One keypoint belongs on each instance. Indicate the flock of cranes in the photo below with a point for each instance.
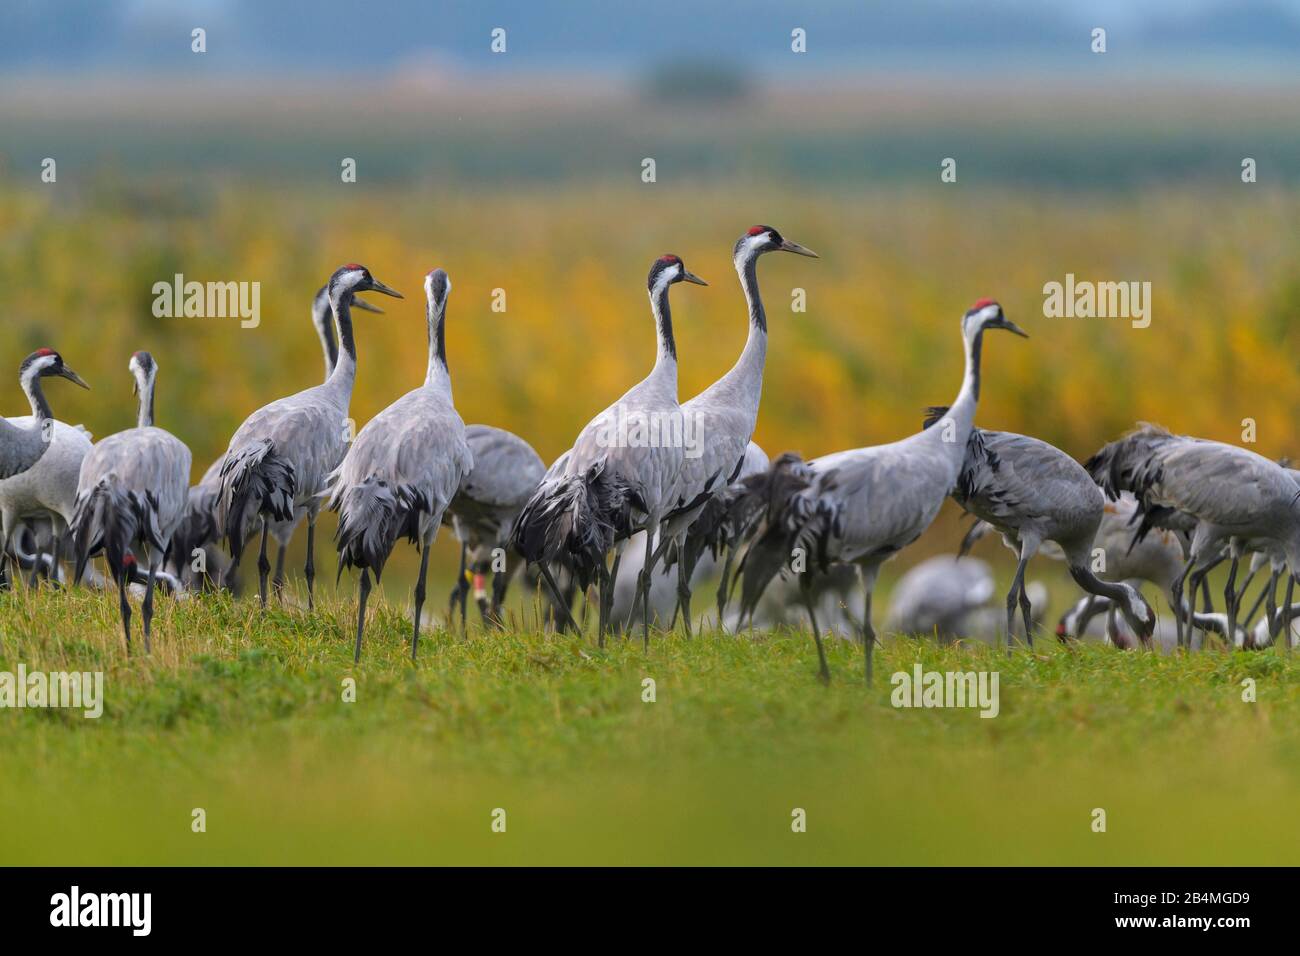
(1162, 508)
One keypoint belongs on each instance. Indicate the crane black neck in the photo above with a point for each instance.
(323, 320)
(437, 318)
(340, 302)
(976, 349)
(664, 320)
(748, 269)
(36, 396)
(145, 418)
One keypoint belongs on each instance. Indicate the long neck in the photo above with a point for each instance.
(962, 411)
(324, 322)
(36, 395)
(145, 417)
(345, 369)
(1117, 592)
(437, 374)
(666, 357)
(749, 367)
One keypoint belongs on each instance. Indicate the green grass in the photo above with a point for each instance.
(240, 712)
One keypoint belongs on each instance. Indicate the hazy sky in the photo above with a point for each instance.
(355, 35)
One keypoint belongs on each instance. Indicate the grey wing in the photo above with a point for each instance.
(1222, 483)
(506, 468)
(147, 461)
(1009, 479)
(305, 429)
(888, 496)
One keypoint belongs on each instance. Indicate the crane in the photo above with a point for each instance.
(1033, 492)
(505, 474)
(40, 457)
(130, 494)
(403, 470)
(863, 506)
(726, 412)
(618, 476)
(1239, 499)
(198, 528)
(279, 458)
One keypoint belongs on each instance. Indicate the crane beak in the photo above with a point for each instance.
(1010, 326)
(365, 306)
(798, 250)
(692, 277)
(377, 286)
(73, 377)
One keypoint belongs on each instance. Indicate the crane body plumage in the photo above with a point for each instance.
(130, 495)
(402, 471)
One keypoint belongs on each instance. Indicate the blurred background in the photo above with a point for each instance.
(522, 171)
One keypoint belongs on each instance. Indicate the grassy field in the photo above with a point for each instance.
(241, 713)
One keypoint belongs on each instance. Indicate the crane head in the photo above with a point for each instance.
(437, 286)
(44, 363)
(760, 239)
(668, 269)
(987, 314)
(143, 370)
(353, 278)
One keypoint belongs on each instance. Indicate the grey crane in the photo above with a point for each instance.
(403, 470)
(618, 476)
(1033, 492)
(198, 528)
(1239, 499)
(723, 416)
(280, 457)
(938, 595)
(863, 506)
(505, 474)
(130, 495)
(24, 440)
(40, 457)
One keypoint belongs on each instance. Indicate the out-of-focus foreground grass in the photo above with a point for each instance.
(241, 713)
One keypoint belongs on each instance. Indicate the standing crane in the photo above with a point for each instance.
(280, 457)
(198, 527)
(130, 494)
(1033, 492)
(1239, 499)
(725, 413)
(403, 470)
(863, 506)
(24, 440)
(40, 457)
(505, 474)
(618, 477)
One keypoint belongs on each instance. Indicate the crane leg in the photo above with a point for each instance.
(647, 573)
(560, 604)
(683, 592)
(146, 609)
(1017, 588)
(1027, 612)
(419, 593)
(805, 592)
(456, 589)
(500, 583)
(56, 559)
(1286, 612)
(124, 607)
(309, 572)
(361, 613)
(263, 565)
(1180, 610)
(1230, 600)
(277, 579)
